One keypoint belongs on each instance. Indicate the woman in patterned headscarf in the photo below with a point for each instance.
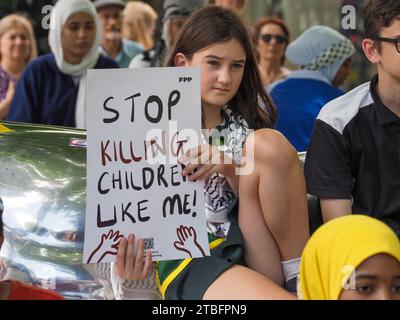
(324, 57)
(354, 257)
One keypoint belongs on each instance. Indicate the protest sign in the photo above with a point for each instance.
(139, 122)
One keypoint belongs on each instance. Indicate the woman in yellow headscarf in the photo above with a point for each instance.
(353, 257)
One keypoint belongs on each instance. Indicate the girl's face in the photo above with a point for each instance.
(78, 37)
(15, 44)
(377, 278)
(272, 42)
(222, 67)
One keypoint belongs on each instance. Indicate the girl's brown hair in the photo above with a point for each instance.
(17, 21)
(212, 25)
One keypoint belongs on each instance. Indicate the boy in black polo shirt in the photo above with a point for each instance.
(353, 162)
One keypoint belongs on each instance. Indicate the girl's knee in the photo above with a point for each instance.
(271, 148)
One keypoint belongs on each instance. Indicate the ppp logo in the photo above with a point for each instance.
(185, 79)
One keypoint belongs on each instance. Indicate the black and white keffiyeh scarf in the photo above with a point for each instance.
(228, 137)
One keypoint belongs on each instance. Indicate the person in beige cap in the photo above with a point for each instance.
(174, 15)
(113, 45)
(236, 5)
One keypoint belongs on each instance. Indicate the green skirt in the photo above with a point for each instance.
(188, 279)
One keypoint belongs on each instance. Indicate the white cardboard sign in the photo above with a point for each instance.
(139, 122)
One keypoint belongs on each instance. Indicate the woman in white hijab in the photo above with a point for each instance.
(52, 88)
(324, 57)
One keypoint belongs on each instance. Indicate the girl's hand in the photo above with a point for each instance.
(130, 265)
(205, 160)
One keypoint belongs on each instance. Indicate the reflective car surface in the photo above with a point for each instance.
(43, 188)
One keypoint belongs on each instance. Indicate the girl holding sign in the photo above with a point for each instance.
(255, 243)
(51, 90)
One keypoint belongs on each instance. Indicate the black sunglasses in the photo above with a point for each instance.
(278, 38)
(396, 41)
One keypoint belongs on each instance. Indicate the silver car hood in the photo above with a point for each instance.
(43, 188)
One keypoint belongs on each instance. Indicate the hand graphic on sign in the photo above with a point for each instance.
(108, 245)
(188, 241)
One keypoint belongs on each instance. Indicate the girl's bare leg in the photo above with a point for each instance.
(241, 283)
(273, 204)
(261, 251)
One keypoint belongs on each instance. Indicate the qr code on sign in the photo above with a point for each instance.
(148, 243)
